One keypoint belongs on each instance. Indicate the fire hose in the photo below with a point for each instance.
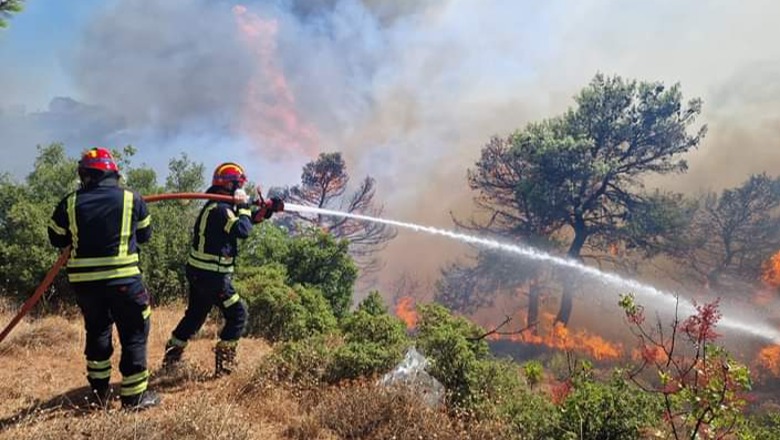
(63, 258)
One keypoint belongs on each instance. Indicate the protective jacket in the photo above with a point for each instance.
(215, 237)
(104, 224)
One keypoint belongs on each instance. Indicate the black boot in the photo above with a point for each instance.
(140, 402)
(100, 392)
(99, 396)
(225, 358)
(173, 355)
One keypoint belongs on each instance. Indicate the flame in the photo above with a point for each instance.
(771, 275)
(405, 309)
(769, 358)
(561, 337)
(270, 117)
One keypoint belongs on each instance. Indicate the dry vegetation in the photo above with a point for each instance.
(44, 396)
(44, 389)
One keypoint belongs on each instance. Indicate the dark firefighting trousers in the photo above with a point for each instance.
(127, 306)
(208, 289)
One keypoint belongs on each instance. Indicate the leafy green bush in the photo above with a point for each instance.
(498, 393)
(313, 258)
(450, 343)
(278, 312)
(614, 409)
(354, 360)
(761, 427)
(164, 257)
(25, 209)
(533, 372)
(374, 342)
(368, 343)
(372, 323)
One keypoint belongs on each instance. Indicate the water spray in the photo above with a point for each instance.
(760, 330)
(763, 331)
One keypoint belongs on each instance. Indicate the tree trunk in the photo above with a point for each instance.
(567, 300)
(534, 294)
(569, 279)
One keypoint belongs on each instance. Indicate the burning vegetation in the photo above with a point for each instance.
(405, 309)
(557, 336)
(771, 272)
(769, 359)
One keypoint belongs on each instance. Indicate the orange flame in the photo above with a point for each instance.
(405, 309)
(561, 337)
(270, 117)
(771, 275)
(769, 358)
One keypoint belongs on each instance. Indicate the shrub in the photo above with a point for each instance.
(301, 364)
(761, 427)
(313, 258)
(164, 257)
(452, 347)
(704, 388)
(374, 342)
(278, 312)
(608, 410)
(533, 372)
(480, 387)
(497, 392)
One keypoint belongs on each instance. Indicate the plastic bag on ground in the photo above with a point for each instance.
(410, 372)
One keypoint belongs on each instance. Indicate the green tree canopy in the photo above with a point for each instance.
(576, 179)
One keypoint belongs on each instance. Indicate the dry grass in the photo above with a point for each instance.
(43, 384)
(44, 396)
(50, 334)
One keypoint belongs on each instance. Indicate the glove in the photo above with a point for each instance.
(277, 204)
(240, 197)
(264, 212)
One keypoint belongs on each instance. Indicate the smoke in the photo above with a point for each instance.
(410, 90)
(168, 66)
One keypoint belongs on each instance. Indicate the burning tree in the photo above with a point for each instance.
(324, 184)
(574, 181)
(733, 235)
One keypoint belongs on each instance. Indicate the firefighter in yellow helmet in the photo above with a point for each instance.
(104, 224)
(210, 264)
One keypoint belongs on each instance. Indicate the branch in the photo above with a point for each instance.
(496, 331)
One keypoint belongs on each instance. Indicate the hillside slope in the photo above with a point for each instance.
(43, 389)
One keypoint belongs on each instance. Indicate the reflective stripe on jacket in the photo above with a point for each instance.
(104, 224)
(215, 237)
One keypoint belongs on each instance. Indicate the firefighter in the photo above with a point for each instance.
(212, 256)
(104, 224)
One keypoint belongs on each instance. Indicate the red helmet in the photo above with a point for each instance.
(98, 159)
(229, 175)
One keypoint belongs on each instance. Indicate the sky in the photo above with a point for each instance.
(408, 90)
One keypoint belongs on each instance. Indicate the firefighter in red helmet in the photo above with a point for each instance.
(210, 264)
(103, 224)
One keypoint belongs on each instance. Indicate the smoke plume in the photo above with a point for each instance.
(408, 90)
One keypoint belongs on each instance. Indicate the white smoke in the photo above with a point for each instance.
(411, 90)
